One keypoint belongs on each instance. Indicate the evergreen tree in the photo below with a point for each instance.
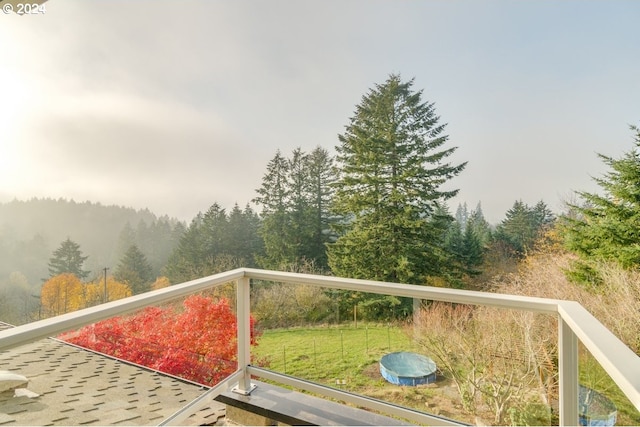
(463, 245)
(523, 225)
(462, 215)
(67, 258)
(161, 243)
(126, 239)
(480, 226)
(144, 239)
(322, 175)
(392, 167)
(472, 255)
(542, 216)
(135, 271)
(254, 246)
(244, 242)
(215, 242)
(187, 260)
(215, 232)
(607, 227)
(454, 240)
(299, 208)
(517, 230)
(273, 196)
(295, 196)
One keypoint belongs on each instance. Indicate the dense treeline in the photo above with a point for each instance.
(32, 231)
(296, 195)
(216, 241)
(377, 210)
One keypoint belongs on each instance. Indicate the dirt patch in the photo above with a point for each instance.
(372, 371)
(438, 398)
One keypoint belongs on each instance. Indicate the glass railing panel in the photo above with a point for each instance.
(137, 368)
(601, 402)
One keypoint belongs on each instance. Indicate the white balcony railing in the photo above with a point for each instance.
(575, 325)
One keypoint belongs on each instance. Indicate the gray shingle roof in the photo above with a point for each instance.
(79, 387)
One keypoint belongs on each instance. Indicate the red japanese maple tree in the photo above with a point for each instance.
(196, 341)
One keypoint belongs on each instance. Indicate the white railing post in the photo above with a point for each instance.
(243, 311)
(568, 374)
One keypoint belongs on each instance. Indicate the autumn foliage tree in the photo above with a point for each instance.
(98, 291)
(65, 293)
(196, 341)
(161, 282)
(61, 294)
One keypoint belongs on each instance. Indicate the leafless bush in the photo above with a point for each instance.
(493, 356)
(616, 303)
(278, 305)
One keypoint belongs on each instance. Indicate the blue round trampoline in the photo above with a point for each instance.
(405, 368)
(594, 409)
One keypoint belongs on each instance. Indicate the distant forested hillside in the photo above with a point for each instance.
(31, 230)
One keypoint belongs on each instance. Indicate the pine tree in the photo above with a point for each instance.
(244, 242)
(295, 196)
(453, 240)
(67, 258)
(299, 208)
(322, 175)
(517, 228)
(523, 225)
(472, 250)
(273, 196)
(463, 245)
(135, 271)
(215, 232)
(607, 227)
(392, 167)
(187, 261)
(480, 225)
(543, 217)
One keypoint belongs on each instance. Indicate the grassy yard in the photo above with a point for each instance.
(327, 354)
(347, 357)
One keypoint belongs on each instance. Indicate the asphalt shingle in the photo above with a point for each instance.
(79, 387)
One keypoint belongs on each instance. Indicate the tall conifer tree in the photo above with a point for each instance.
(392, 169)
(523, 226)
(322, 176)
(295, 196)
(68, 258)
(607, 227)
(135, 271)
(273, 195)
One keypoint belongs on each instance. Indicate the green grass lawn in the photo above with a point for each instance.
(327, 354)
(347, 357)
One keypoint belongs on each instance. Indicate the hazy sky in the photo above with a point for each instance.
(174, 105)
